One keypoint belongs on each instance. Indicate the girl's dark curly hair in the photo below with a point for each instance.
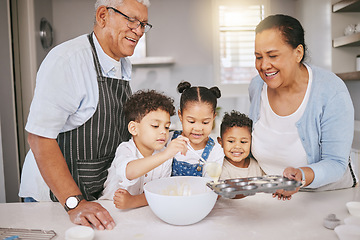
(144, 101)
(198, 94)
(235, 119)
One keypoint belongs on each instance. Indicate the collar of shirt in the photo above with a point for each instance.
(109, 66)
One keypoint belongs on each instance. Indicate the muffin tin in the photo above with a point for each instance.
(229, 188)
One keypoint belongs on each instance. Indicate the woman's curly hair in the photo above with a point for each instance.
(235, 119)
(145, 101)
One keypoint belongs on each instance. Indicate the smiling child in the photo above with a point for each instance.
(143, 158)
(235, 138)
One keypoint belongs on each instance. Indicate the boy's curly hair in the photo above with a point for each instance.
(235, 119)
(145, 101)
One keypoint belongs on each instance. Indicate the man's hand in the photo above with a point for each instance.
(92, 213)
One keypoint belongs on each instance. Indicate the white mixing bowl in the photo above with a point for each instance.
(180, 200)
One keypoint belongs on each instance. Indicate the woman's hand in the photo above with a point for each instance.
(91, 213)
(291, 173)
(284, 195)
(239, 196)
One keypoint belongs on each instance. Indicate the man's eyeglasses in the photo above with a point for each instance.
(133, 23)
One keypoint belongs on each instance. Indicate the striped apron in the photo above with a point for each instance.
(90, 148)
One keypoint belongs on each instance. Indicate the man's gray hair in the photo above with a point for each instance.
(115, 3)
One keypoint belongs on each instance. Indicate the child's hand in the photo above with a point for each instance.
(178, 144)
(124, 200)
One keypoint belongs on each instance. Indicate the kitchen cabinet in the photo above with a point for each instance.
(347, 6)
(349, 76)
(147, 61)
(353, 40)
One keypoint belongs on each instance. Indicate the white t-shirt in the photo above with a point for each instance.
(275, 137)
(230, 171)
(125, 153)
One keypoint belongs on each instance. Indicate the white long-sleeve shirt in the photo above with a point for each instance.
(125, 153)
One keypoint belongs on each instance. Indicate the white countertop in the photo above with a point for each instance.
(254, 217)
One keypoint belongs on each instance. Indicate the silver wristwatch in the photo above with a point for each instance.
(72, 202)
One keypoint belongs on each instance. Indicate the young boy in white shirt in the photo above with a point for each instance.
(143, 158)
(235, 138)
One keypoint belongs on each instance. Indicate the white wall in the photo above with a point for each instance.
(72, 18)
(315, 17)
(183, 31)
(282, 7)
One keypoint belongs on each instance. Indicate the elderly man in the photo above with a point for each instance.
(76, 118)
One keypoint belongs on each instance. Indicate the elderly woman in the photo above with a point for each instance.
(303, 115)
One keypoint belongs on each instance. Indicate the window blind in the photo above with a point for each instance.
(237, 37)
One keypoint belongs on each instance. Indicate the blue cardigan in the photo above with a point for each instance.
(326, 128)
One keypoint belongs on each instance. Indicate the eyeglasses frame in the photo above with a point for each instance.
(130, 19)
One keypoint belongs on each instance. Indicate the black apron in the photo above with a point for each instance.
(90, 148)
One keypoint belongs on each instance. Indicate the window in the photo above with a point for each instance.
(236, 31)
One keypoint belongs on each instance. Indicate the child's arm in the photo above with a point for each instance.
(124, 200)
(139, 167)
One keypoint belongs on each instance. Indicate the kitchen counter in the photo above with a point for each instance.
(254, 217)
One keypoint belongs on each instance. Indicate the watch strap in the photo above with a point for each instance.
(79, 198)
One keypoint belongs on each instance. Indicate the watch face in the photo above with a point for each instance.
(72, 202)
